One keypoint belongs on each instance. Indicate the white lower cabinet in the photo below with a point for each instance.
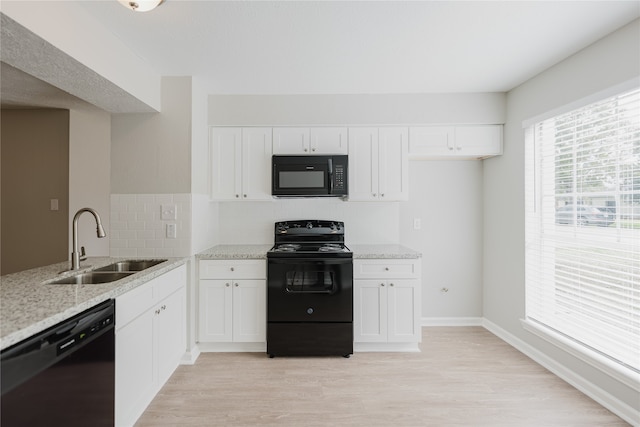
(386, 307)
(232, 304)
(150, 341)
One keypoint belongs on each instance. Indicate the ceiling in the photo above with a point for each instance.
(356, 47)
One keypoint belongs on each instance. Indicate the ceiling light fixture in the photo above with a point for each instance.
(141, 5)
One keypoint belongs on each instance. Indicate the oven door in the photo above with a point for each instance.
(310, 290)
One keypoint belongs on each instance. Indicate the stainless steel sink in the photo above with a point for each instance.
(131, 265)
(91, 277)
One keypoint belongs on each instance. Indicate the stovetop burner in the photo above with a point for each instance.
(309, 237)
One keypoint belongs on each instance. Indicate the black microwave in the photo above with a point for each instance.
(309, 176)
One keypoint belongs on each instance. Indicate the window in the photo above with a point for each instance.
(583, 227)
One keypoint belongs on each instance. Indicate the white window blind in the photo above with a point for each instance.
(582, 189)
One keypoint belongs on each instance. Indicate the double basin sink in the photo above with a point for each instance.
(108, 273)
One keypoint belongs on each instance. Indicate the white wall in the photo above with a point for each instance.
(447, 198)
(610, 61)
(89, 176)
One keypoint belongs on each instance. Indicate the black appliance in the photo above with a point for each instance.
(63, 376)
(309, 290)
(310, 176)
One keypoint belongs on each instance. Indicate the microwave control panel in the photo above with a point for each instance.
(339, 177)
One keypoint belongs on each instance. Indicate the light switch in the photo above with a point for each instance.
(168, 212)
(54, 204)
(417, 223)
(171, 231)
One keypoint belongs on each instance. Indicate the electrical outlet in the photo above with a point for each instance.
(417, 223)
(168, 212)
(171, 231)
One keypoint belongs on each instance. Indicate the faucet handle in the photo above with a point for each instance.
(83, 254)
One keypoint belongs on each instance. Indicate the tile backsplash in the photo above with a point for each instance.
(138, 230)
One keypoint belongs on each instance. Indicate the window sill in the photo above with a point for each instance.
(615, 370)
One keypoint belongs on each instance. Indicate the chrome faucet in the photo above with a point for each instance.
(75, 255)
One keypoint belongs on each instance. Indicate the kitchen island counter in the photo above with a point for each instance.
(29, 305)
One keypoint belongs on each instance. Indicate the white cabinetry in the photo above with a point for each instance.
(232, 304)
(303, 140)
(240, 163)
(150, 341)
(386, 308)
(378, 164)
(455, 141)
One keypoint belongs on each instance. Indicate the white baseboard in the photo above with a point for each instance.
(190, 357)
(451, 321)
(233, 347)
(621, 409)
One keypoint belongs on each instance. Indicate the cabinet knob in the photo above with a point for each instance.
(232, 269)
(237, 196)
(382, 284)
(313, 149)
(390, 284)
(226, 284)
(305, 150)
(386, 269)
(157, 311)
(374, 194)
(164, 307)
(459, 148)
(244, 195)
(450, 148)
(236, 285)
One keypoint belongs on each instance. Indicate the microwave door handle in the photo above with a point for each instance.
(330, 161)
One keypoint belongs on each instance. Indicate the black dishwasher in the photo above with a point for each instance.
(63, 376)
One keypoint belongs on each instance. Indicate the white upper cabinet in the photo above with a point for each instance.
(378, 164)
(240, 163)
(476, 141)
(303, 140)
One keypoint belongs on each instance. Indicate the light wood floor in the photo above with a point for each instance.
(464, 376)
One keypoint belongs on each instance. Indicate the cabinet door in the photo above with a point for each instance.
(171, 333)
(369, 311)
(256, 163)
(293, 140)
(432, 141)
(249, 310)
(479, 140)
(403, 319)
(215, 311)
(135, 368)
(393, 177)
(226, 163)
(363, 164)
(328, 140)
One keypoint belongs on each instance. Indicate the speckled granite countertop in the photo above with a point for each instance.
(260, 252)
(383, 252)
(235, 252)
(29, 305)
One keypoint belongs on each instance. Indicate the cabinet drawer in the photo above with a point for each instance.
(133, 303)
(169, 282)
(233, 269)
(385, 268)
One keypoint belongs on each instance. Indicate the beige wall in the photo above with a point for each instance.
(35, 165)
(151, 153)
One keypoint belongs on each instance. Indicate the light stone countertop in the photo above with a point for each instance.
(260, 252)
(235, 252)
(383, 252)
(29, 305)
